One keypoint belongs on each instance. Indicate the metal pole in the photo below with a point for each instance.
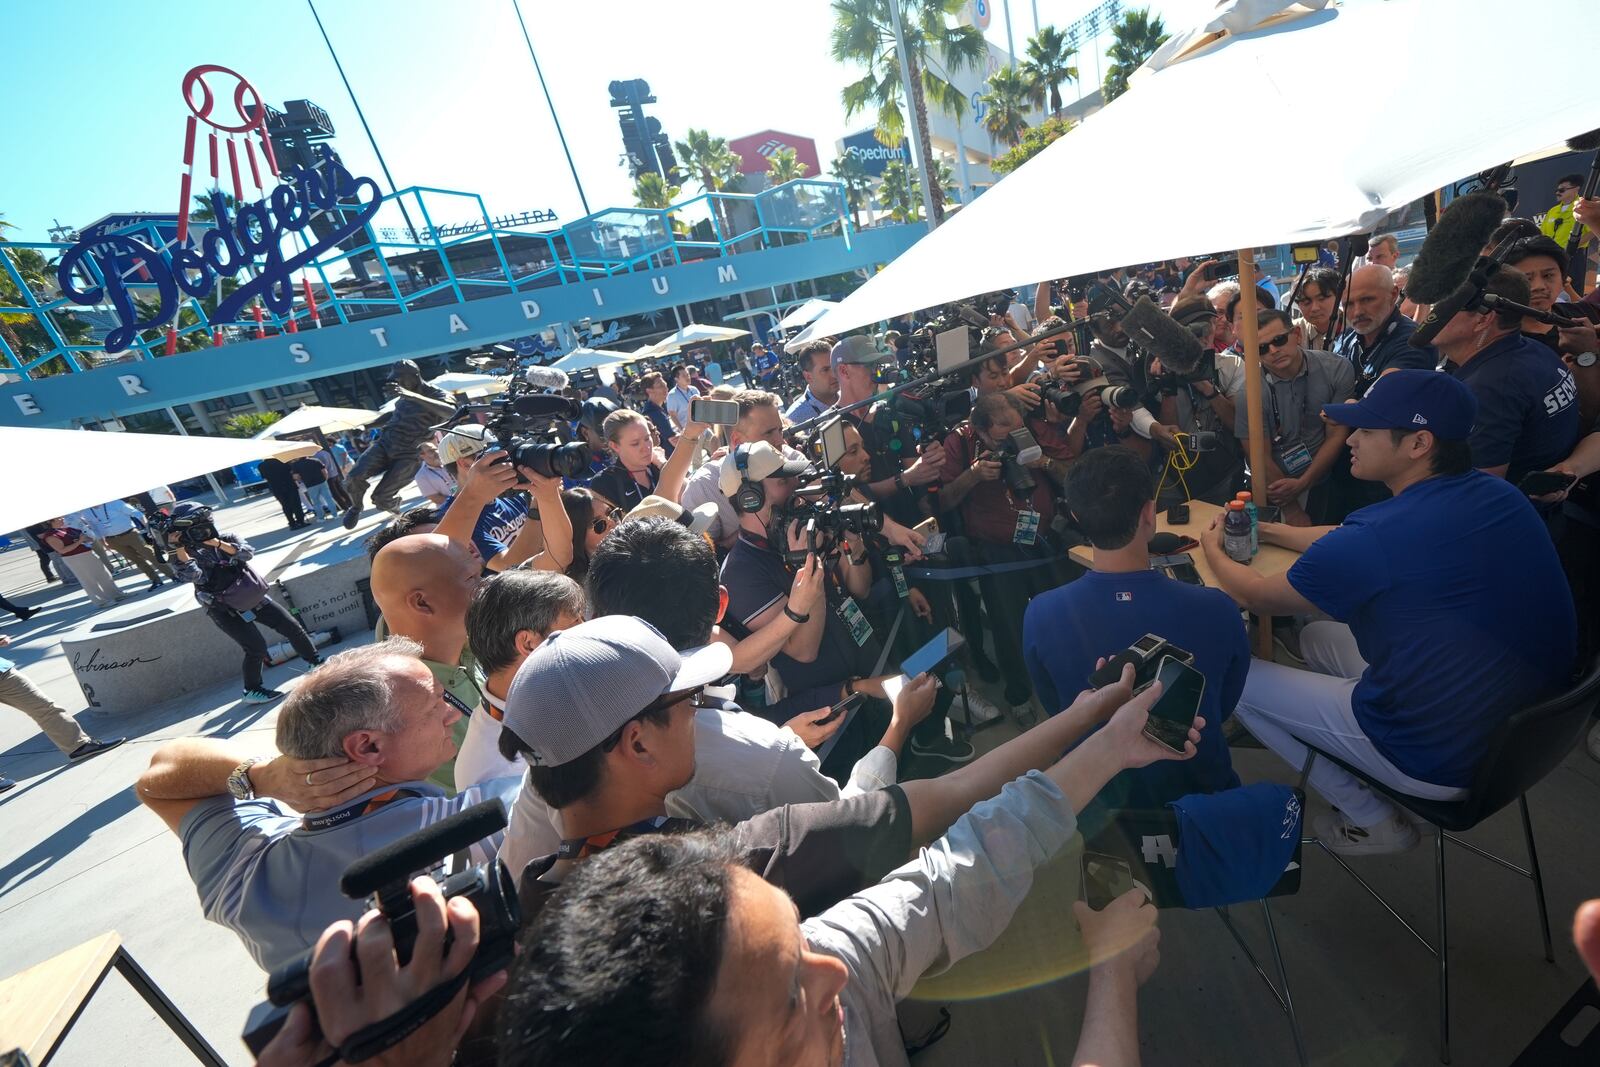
(216, 486)
(1011, 46)
(373, 141)
(961, 163)
(552, 105)
(924, 159)
(1036, 18)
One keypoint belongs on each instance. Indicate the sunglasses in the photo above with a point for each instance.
(604, 522)
(1276, 342)
(1564, 188)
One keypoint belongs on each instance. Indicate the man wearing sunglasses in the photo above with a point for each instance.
(1301, 446)
(1557, 223)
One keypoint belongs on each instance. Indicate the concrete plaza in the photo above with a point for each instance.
(79, 856)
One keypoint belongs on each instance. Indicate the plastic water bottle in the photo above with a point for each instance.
(1248, 500)
(1236, 533)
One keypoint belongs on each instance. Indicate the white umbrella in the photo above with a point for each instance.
(585, 358)
(312, 417)
(694, 333)
(471, 384)
(805, 313)
(89, 467)
(1139, 182)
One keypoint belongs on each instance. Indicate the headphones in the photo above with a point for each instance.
(752, 495)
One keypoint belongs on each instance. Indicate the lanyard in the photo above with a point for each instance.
(1278, 434)
(359, 808)
(577, 848)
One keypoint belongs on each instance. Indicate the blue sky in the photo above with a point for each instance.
(93, 119)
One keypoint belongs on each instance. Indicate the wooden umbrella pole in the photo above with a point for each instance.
(1248, 339)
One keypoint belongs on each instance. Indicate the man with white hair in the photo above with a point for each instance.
(1378, 337)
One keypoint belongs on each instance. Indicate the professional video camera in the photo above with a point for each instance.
(385, 875)
(532, 426)
(817, 502)
(193, 523)
(935, 408)
(1015, 453)
(1068, 397)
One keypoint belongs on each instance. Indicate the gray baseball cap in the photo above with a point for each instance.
(859, 350)
(582, 685)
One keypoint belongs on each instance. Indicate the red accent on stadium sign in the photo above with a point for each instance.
(754, 150)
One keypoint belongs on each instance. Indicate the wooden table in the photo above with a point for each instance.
(1269, 560)
(39, 1005)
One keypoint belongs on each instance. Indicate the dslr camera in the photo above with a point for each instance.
(534, 428)
(385, 877)
(1069, 397)
(1145, 655)
(1015, 453)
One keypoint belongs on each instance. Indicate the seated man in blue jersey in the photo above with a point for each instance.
(1452, 613)
(1065, 630)
(359, 736)
(488, 509)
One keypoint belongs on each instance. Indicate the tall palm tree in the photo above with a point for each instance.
(713, 164)
(1011, 93)
(1050, 62)
(784, 166)
(863, 35)
(1133, 40)
(849, 172)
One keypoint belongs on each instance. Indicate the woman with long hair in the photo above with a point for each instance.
(592, 517)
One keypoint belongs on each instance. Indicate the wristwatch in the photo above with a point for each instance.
(1584, 359)
(239, 785)
(796, 616)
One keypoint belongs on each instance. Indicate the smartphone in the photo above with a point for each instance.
(935, 652)
(1112, 671)
(1538, 483)
(1105, 878)
(833, 445)
(714, 412)
(848, 704)
(933, 545)
(1269, 513)
(1181, 689)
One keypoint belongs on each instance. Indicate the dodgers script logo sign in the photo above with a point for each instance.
(247, 238)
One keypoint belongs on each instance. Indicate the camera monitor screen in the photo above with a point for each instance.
(833, 444)
(1181, 689)
(952, 348)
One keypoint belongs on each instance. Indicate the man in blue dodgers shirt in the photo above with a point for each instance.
(1110, 493)
(1452, 613)
(358, 735)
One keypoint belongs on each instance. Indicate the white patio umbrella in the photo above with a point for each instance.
(694, 333)
(471, 384)
(314, 417)
(586, 358)
(1137, 182)
(89, 467)
(807, 312)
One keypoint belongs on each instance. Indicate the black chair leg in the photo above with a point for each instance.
(1444, 949)
(1538, 879)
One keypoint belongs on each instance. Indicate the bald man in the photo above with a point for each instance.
(423, 583)
(1378, 338)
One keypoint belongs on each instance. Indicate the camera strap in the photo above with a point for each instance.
(387, 1033)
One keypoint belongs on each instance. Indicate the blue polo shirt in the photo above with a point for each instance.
(1460, 608)
(1066, 629)
(498, 524)
(1527, 406)
(1391, 351)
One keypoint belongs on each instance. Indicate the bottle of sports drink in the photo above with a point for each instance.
(1248, 500)
(1236, 533)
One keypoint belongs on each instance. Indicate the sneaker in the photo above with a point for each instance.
(942, 748)
(94, 748)
(976, 709)
(157, 584)
(6, 784)
(26, 613)
(352, 515)
(1594, 742)
(261, 696)
(1346, 838)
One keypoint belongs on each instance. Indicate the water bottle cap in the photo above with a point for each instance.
(1243, 497)
(1236, 505)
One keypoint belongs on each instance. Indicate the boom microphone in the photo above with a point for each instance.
(1443, 311)
(1159, 333)
(553, 379)
(1453, 245)
(397, 861)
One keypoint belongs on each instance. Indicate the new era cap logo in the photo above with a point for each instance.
(1419, 420)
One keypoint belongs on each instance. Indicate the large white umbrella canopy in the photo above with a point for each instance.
(807, 312)
(471, 384)
(312, 417)
(89, 467)
(694, 333)
(586, 358)
(1142, 180)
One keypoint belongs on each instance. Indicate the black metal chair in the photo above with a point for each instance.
(1527, 746)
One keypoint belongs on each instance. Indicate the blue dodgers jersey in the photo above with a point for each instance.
(1458, 603)
(497, 526)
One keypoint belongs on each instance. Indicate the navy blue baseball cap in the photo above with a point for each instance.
(1412, 400)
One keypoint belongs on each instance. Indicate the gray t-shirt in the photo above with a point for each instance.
(953, 900)
(276, 884)
(1291, 411)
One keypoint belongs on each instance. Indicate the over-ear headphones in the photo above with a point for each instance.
(752, 494)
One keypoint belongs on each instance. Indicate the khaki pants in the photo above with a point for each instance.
(61, 728)
(133, 548)
(94, 577)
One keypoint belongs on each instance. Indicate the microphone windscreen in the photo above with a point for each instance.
(1160, 334)
(1453, 245)
(551, 378)
(1442, 312)
(1585, 142)
(421, 850)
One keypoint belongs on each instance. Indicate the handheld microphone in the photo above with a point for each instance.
(553, 379)
(1155, 331)
(399, 860)
(1453, 245)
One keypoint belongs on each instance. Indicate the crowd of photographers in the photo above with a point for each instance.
(706, 646)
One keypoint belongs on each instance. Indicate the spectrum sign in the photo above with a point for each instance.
(872, 154)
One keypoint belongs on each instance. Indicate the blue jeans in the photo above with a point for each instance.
(321, 498)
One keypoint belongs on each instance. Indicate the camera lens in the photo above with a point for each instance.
(1125, 397)
(552, 460)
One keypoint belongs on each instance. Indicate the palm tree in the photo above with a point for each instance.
(1134, 39)
(713, 164)
(651, 191)
(1050, 62)
(863, 34)
(849, 172)
(784, 166)
(1011, 94)
(898, 193)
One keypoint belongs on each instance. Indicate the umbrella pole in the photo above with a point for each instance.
(1249, 340)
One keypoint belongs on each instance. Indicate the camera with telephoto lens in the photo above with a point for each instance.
(818, 503)
(534, 428)
(1069, 397)
(1145, 655)
(384, 877)
(1015, 453)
